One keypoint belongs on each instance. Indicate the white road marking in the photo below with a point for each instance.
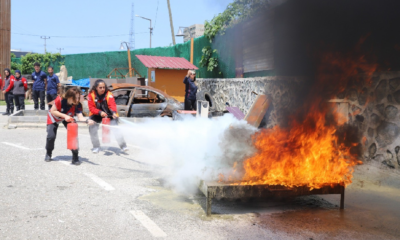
(100, 181)
(148, 224)
(15, 145)
(64, 162)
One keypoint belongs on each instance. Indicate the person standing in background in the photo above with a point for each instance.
(8, 94)
(190, 91)
(52, 86)
(18, 87)
(39, 87)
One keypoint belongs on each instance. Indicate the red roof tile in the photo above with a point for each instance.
(166, 62)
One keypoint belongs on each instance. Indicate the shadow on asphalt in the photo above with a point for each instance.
(69, 159)
(109, 151)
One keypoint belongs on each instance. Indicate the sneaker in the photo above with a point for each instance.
(95, 150)
(6, 113)
(125, 149)
(75, 160)
(47, 158)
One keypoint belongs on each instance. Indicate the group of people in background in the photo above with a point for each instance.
(15, 88)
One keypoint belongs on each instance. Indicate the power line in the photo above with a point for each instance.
(34, 35)
(155, 22)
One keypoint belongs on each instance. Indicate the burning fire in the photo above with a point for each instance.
(308, 154)
(312, 151)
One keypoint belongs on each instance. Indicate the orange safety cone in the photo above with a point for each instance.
(72, 136)
(105, 130)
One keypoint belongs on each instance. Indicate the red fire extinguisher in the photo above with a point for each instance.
(106, 130)
(72, 136)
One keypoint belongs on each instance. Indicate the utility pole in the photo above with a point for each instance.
(132, 32)
(151, 32)
(5, 34)
(151, 29)
(45, 38)
(170, 21)
(60, 49)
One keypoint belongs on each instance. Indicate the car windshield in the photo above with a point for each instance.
(147, 96)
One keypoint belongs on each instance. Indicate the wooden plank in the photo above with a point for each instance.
(257, 111)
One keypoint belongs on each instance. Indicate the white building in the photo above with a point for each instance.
(197, 30)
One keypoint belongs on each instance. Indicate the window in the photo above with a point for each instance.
(146, 96)
(121, 96)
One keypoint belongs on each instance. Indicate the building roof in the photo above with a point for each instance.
(165, 62)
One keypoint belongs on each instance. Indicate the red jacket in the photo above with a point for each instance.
(92, 100)
(11, 86)
(4, 84)
(1, 82)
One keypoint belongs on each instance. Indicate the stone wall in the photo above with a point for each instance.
(373, 108)
(240, 92)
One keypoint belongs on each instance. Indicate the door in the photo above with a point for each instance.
(147, 103)
(123, 100)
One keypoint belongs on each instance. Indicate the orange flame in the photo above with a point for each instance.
(309, 152)
(300, 156)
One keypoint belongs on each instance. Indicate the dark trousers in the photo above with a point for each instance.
(50, 97)
(36, 95)
(19, 101)
(51, 138)
(93, 130)
(9, 97)
(190, 105)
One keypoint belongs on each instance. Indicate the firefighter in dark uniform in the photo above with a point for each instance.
(102, 104)
(63, 110)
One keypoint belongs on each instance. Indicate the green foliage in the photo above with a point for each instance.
(15, 63)
(45, 60)
(209, 59)
(234, 13)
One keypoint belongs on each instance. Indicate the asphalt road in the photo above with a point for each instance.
(114, 195)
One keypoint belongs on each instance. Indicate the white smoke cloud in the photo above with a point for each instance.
(189, 150)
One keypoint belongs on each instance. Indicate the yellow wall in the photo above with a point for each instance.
(169, 81)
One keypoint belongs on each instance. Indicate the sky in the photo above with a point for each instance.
(75, 25)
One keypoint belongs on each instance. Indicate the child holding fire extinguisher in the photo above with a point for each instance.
(64, 110)
(102, 105)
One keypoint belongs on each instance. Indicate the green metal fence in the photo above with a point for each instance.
(100, 64)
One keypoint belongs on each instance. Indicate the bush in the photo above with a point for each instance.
(45, 60)
(15, 63)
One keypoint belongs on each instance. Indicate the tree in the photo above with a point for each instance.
(235, 12)
(45, 61)
(15, 63)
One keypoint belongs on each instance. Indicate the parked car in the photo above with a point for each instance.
(140, 101)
